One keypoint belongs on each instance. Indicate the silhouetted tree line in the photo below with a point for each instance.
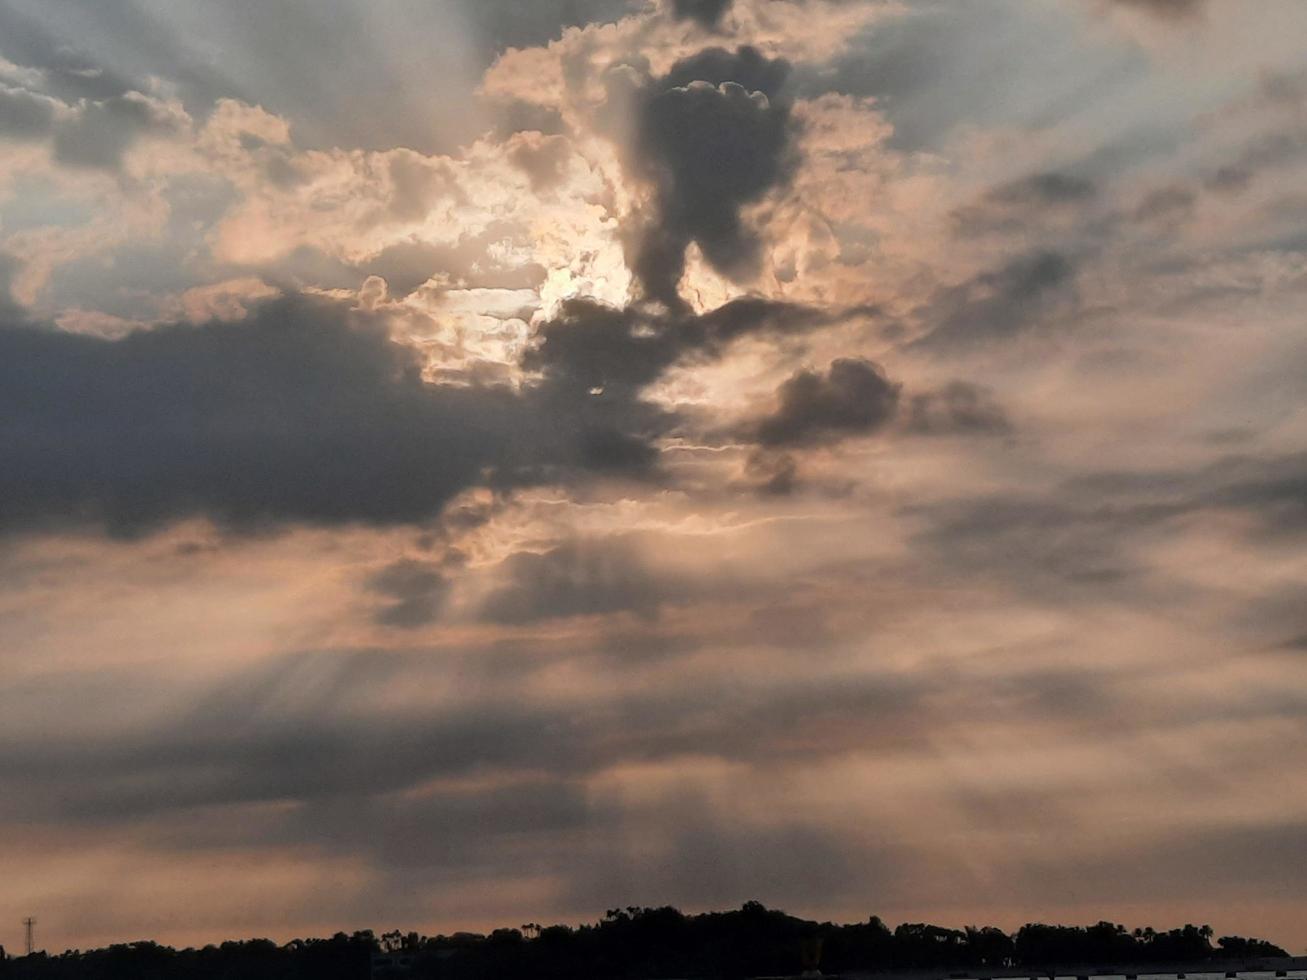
(638, 943)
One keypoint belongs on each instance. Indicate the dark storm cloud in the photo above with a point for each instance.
(292, 414)
(603, 358)
(299, 416)
(593, 346)
(705, 12)
(295, 414)
(1003, 303)
(854, 397)
(958, 408)
(712, 135)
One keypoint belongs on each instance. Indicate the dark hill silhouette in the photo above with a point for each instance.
(638, 943)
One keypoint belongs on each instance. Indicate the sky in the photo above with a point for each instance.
(475, 462)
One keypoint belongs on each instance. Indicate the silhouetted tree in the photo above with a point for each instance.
(636, 943)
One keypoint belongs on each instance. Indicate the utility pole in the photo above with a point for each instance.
(27, 924)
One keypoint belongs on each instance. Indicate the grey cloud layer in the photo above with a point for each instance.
(306, 413)
(577, 578)
(308, 727)
(998, 305)
(1090, 536)
(295, 414)
(1038, 634)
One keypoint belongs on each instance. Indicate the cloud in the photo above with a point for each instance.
(854, 397)
(712, 135)
(300, 413)
(69, 71)
(510, 23)
(304, 413)
(1237, 857)
(1021, 205)
(1045, 188)
(1172, 9)
(959, 407)
(376, 94)
(1025, 293)
(1166, 204)
(693, 626)
(598, 360)
(939, 71)
(319, 726)
(1272, 149)
(1046, 546)
(1091, 535)
(409, 264)
(542, 158)
(590, 346)
(101, 132)
(696, 855)
(771, 473)
(10, 311)
(25, 115)
(580, 578)
(416, 590)
(450, 832)
(706, 12)
(1273, 488)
